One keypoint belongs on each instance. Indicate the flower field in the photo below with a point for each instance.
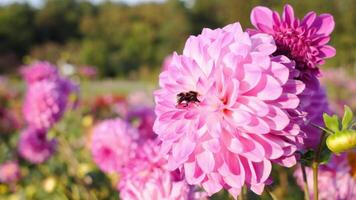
(238, 113)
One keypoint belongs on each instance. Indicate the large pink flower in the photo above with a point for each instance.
(113, 144)
(146, 178)
(45, 102)
(223, 110)
(336, 180)
(9, 172)
(304, 41)
(34, 145)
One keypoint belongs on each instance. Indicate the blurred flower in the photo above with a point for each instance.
(45, 102)
(88, 72)
(222, 110)
(9, 172)
(106, 105)
(145, 177)
(34, 146)
(49, 184)
(39, 71)
(341, 87)
(112, 144)
(304, 41)
(143, 118)
(9, 121)
(139, 98)
(335, 179)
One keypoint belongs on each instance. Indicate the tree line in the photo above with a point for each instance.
(122, 40)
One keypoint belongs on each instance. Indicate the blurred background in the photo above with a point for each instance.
(115, 50)
(129, 38)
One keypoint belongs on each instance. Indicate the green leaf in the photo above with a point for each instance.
(331, 122)
(346, 120)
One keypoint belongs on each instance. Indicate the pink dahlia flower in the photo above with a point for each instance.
(45, 102)
(336, 180)
(146, 178)
(39, 71)
(113, 144)
(304, 41)
(143, 118)
(34, 146)
(223, 110)
(9, 172)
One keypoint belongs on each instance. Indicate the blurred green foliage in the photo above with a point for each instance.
(122, 40)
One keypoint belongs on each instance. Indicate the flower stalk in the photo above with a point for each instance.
(315, 165)
(306, 189)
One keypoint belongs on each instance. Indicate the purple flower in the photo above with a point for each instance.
(34, 146)
(312, 105)
(304, 41)
(143, 118)
(9, 172)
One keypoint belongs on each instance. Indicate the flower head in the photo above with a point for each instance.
(113, 144)
(45, 102)
(223, 110)
(304, 41)
(336, 179)
(34, 146)
(39, 71)
(9, 172)
(146, 177)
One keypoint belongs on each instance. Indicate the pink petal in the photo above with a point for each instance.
(327, 51)
(262, 17)
(288, 14)
(206, 161)
(324, 24)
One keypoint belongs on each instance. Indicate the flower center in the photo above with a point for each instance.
(295, 45)
(185, 98)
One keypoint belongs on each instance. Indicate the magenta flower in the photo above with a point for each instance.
(146, 177)
(304, 41)
(143, 118)
(9, 172)
(336, 179)
(39, 71)
(223, 110)
(45, 102)
(113, 144)
(34, 146)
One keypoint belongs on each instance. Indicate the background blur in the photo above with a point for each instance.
(115, 51)
(128, 38)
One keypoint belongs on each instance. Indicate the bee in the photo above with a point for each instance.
(187, 97)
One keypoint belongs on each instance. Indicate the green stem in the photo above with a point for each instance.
(315, 166)
(243, 193)
(306, 188)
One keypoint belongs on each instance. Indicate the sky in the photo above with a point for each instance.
(38, 3)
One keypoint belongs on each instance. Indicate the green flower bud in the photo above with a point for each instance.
(342, 141)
